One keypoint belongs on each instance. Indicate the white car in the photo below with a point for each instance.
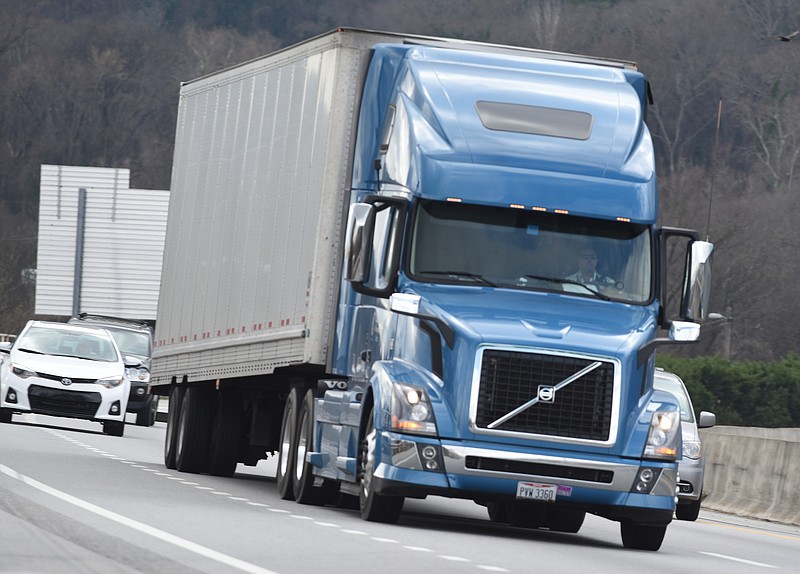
(65, 370)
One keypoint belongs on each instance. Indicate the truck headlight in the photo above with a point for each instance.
(664, 437)
(411, 410)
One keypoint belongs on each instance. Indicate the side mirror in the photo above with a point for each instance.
(131, 362)
(697, 285)
(5, 346)
(358, 242)
(706, 420)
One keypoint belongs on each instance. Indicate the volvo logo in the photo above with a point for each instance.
(546, 394)
(66, 382)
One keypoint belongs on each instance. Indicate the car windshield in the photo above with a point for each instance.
(67, 343)
(131, 342)
(676, 388)
(525, 249)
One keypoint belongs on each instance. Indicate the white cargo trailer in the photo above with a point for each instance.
(251, 260)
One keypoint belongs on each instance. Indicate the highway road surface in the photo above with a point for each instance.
(73, 500)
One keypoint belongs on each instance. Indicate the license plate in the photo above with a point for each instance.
(537, 491)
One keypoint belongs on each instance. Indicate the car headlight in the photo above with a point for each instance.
(664, 436)
(110, 382)
(411, 410)
(22, 372)
(138, 374)
(692, 449)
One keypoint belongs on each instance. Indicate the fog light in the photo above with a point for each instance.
(11, 396)
(141, 391)
(431, 465)
(114, 410)
(646, 480)
(428, 452)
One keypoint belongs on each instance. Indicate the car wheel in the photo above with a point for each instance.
(5, 415)
(688, 512)
(114, 428)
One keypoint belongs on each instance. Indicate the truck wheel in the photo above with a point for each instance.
(226, 434)
(173, 414)
(526, 515)
(642, 536)
(194, 429)
(283, 475)
(565, 519)
(374, 507)
(498, 512)
(688, 512)
(304, 490)
(114, 428)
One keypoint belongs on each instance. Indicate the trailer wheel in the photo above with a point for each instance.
(374, 507)
(194, 430)
(642, 536)
(226, 434)
(173, 414)
(286, 453)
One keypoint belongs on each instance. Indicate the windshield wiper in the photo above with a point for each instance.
(558, 281)
(32, 351)
(462, 274)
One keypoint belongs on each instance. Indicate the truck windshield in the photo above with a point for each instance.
(520, 249)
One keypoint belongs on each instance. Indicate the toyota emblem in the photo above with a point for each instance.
(66, 382)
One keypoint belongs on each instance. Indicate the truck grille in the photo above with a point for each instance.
(583, 409)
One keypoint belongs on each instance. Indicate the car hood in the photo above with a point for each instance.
(62, 366)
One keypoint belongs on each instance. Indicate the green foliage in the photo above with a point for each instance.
(744, 393)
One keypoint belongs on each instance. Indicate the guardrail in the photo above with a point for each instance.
(753, 472)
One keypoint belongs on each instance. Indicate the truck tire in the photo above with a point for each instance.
(173, 415)
(642, 536)
(285, 470)
(226, 434)
(565, 519)
(688, 512)
(304, 490)
(374, 507)
(194, 429)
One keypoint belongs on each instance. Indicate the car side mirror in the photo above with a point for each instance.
(706, 420)
(131, 362)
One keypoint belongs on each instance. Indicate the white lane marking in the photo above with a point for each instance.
(417, 548)
(742, 560)
(135, 525)
(453, 558)
(491, 568)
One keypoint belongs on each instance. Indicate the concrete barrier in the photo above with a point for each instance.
(753, 472)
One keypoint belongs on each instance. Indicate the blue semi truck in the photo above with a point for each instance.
(413, 266)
